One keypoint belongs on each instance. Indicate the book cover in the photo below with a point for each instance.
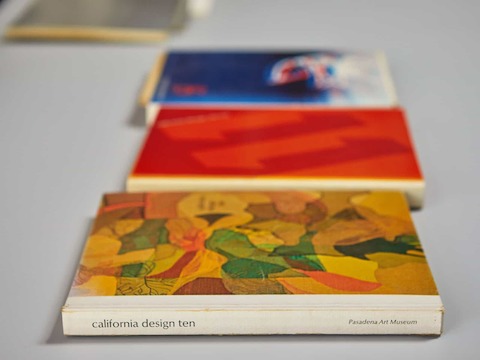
(320, 78)
(290, 262)
(99, 20)
(217, 148)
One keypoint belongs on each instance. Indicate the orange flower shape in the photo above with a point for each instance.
(183, 234)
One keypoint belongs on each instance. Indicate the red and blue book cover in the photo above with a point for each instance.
(322, 77)
(330, 149)
(317, 77)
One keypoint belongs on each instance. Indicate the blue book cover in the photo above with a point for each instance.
(325, 78)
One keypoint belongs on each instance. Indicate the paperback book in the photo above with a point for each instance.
(99, 20)
(203, 148)
(289, 262)
(320, 78)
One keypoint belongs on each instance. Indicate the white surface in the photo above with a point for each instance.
(69, 131)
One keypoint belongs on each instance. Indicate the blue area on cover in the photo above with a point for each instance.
(315, 77)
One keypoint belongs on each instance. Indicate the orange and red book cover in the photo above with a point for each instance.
(301, 148)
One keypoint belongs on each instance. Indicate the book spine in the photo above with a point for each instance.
(251, 322)
(151, 112)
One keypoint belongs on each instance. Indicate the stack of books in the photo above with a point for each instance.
(271, 196)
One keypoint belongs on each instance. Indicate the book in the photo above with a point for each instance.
(264, 149)
(99, 20)
(290, 262)
(322, 78)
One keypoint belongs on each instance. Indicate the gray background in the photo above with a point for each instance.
(70, 129)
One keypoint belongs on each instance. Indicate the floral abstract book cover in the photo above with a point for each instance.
(253, 263)
(216, 148)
